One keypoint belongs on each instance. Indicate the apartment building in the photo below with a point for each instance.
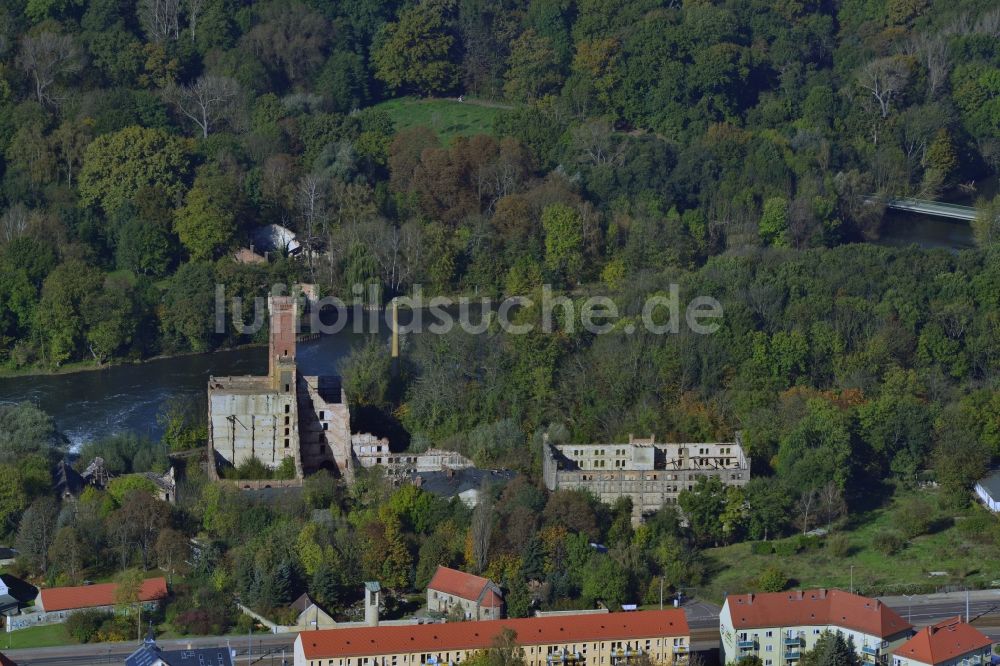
(649, 472)
(948, 643)
(611, 639)
(778, 627)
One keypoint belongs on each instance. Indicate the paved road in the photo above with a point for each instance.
(926, 608)
(266, 651)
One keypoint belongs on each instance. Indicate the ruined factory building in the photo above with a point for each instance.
(283, 414)
(649, 472)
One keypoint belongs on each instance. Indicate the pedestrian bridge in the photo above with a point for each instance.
(933, 208)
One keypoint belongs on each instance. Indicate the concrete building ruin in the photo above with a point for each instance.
(283, 414)
(650, 473)
(370, 451)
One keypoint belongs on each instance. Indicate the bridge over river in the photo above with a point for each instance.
(932, 208)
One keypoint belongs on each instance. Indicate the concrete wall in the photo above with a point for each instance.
(244, 424)
(325, 429)
(651, 474)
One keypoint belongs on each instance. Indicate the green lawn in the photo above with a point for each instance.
(448, 117)
(35, 637)
(972, 562)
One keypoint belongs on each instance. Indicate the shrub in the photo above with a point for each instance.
(84, 625)
(805, 542)
(772, 579)
(761, 547)
(838, 545)
(888, 543)
(981, 527)
(787, 547)
(914, 516)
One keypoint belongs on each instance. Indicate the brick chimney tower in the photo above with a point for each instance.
(283, 312)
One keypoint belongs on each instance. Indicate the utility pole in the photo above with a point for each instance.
(968, 617)
(661, 592)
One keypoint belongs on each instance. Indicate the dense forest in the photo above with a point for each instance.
(143, 141)
(727, 147)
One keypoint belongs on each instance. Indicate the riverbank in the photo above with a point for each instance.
(74, 367)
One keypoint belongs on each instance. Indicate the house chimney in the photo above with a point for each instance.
(373, 593)
(750, 598)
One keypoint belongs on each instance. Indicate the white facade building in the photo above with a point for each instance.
(778, 627)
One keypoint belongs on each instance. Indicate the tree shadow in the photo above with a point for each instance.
(381, 424)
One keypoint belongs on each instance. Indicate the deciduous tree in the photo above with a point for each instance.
(415, 52)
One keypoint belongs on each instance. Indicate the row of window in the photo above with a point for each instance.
(448, 657)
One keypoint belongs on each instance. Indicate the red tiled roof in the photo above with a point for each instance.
(90, 596)
(815, 607)
(366, 641)
(464, 585)
(943, 642)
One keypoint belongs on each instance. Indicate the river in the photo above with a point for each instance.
(900, 229)
(91, 404)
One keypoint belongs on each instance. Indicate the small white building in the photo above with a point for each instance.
(778, 627)
(988, 490)
(948, 643)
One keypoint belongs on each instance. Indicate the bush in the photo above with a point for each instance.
(787, 547)
(84, 625)
(761, 547)
(838, 545)
(888, 543)
(914, 516)
(981, 527)
(772, 579)
(807, 542)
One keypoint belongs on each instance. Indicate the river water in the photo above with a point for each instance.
(901, 229)
(91, 404)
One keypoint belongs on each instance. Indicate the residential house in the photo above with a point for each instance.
(778, 627)
(310, 614)
(15, 594)
(988, 491)
(150, 654)
(612, 639)
(948, 643)
(6, 661)
(477, 598)
(57, 603)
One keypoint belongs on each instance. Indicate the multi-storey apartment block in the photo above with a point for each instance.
(778, 627)
(610, 639)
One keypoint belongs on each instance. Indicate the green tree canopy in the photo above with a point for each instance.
(117, 165)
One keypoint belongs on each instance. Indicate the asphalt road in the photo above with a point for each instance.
(266, 651)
